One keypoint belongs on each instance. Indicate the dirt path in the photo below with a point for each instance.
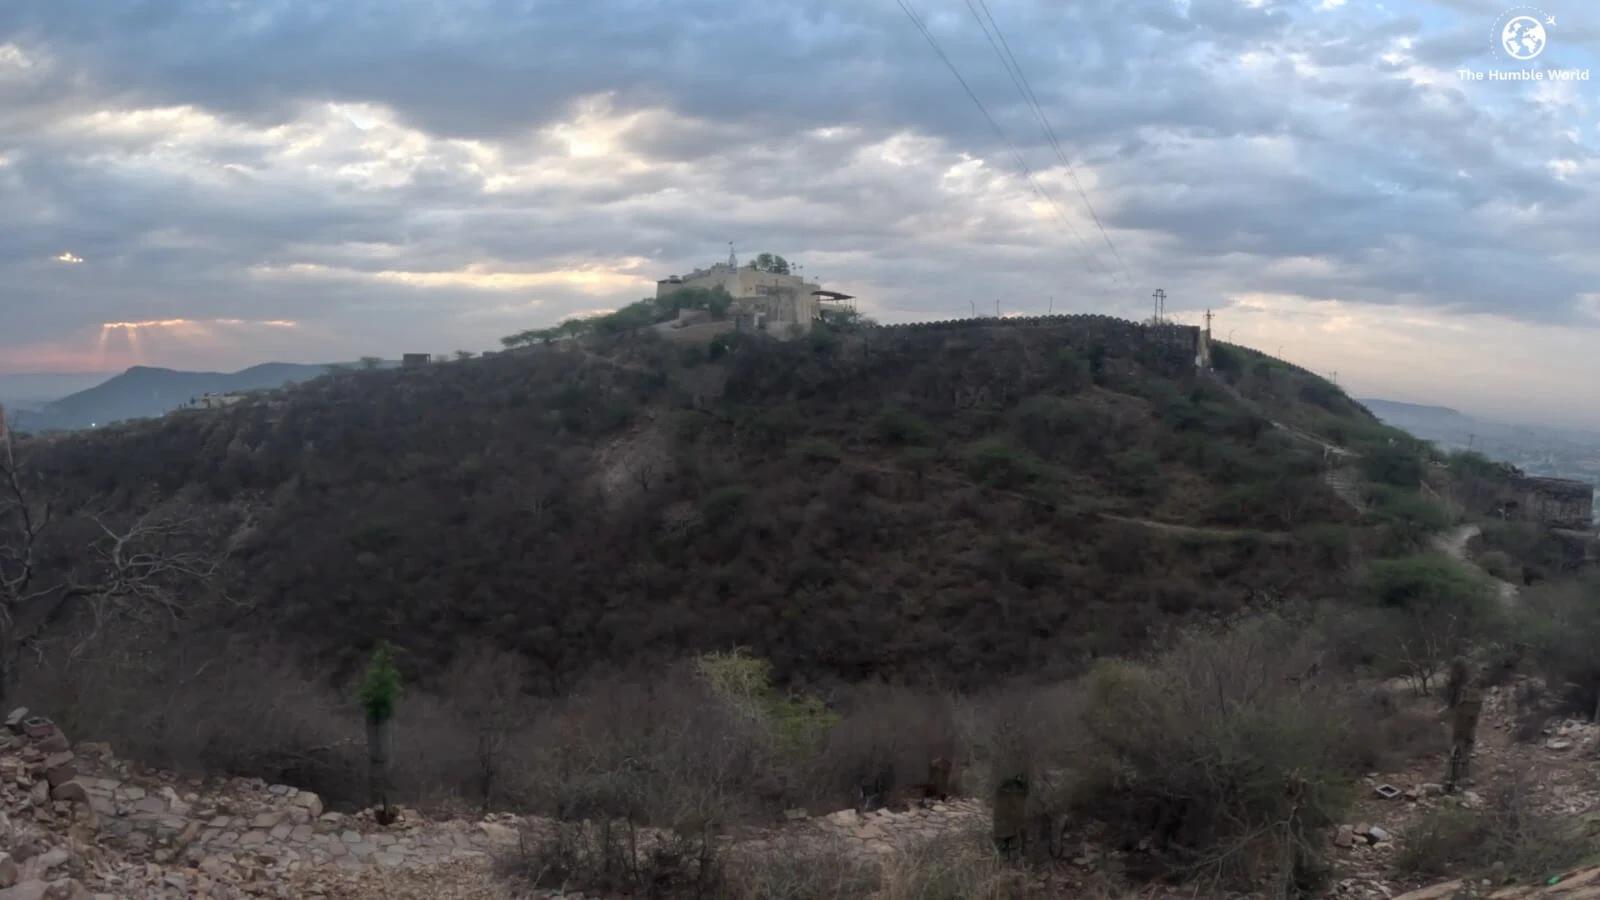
(1276, 537)
(1454, 543)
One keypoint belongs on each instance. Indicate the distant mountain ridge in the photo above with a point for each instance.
(1413, 409)
(145, 391)
(35, 390)
(1538, 450)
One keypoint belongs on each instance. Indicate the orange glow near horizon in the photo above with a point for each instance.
(193, 323)
(125, 343)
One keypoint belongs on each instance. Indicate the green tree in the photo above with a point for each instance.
(847, 319)
(1431, 609)
(715, 300)
(464, 354)
(768, 262)
(379, 695)
(371, 362)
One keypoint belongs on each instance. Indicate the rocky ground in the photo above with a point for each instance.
(1557, 769)
(82, 824)
(79, 824)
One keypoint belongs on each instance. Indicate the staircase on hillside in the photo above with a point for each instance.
(1346, 483)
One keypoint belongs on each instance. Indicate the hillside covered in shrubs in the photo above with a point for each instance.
(957, 505)
(697, 587)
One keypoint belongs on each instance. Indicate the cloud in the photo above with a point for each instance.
(390, 173)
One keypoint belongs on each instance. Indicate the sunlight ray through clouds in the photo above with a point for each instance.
(479, 277)
(131, 336)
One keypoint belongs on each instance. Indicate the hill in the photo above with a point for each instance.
(1394, 410)
(143, 392)
(32, 390)
(957, 504)
(1536, 449)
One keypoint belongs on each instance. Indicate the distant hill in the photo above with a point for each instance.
(143, 392)
(34, 390)
(1396, 413)
(1536, 449)
(959, 503)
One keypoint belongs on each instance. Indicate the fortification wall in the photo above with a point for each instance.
(1103, 325)
(1557, 502)
(1081, 328)
(1171, 348)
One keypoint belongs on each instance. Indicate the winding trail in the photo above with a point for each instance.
(1454, 543)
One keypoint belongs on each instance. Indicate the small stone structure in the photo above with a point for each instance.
(768, 302)
(214, 401)
(1555, 502)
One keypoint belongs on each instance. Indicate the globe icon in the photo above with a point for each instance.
(1523, 38)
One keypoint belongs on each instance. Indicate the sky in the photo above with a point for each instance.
(211, 184)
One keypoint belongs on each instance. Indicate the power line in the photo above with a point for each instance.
(1088, 255)
(1014, 69)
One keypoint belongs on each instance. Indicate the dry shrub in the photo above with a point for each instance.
(197, 706)
(884, 740)
(622, 860)
(1559, 626)
(1532, 706)
(1387, 732)
(643, 777)
(961, 866)
(957, 866)
(616, 857)
(1035, 731)
(662, 751)
(1509, 831)
(804, 873)
(231, 709)
(1222, 753)
(488, 705)
(1499, 564)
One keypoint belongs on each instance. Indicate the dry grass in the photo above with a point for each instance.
(1229, 754)
(1509, 833)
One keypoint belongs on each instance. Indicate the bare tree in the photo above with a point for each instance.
(127, 569)
(488, 688)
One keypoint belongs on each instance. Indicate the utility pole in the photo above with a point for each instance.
(1161, 304)
(974, 305)
(997, 309)
(1052, 306)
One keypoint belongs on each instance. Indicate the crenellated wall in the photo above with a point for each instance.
(1083, 328)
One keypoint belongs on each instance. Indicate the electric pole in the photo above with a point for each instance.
(1161, 304)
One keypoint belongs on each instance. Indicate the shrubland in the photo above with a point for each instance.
(687, 589)
(962, 505)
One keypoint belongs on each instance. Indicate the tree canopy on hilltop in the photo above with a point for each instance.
(640, 314)
(769, 262)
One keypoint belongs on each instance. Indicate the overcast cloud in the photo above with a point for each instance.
(304, 181)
